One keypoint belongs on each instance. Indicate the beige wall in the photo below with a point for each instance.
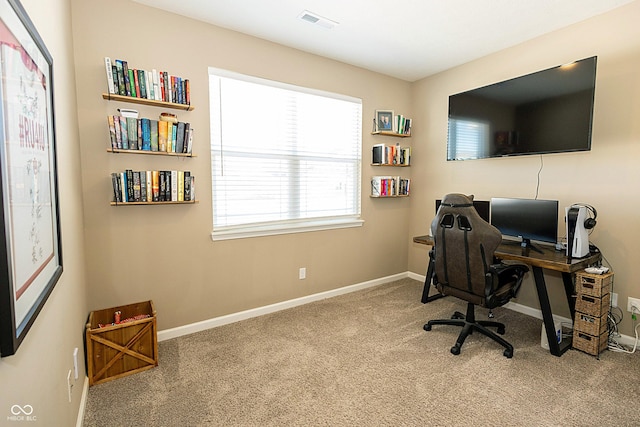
(37, 374)
(606, 177)
(165, 253)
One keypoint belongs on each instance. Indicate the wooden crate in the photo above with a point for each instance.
(115, 350)
(590, 344)
(592, 325)
(593, 306)
(596, 285)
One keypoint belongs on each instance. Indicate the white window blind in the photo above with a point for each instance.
(283, 158)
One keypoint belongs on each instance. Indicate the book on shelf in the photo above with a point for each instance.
(152, 186)
(174, 185)
(124, 133)
(146, 134)
(136, 185)
(125, 80)
(189, 145)
(117, 187)
(155, 186)
(128, 84)
(132, 132)
(179, 137)
(187, 186)
(383, 154)
(112, 131)
(180, 185)
(122, 90)
(109, 69)
(153, 126)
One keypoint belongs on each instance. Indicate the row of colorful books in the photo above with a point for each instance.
(153, 186)
(149, 84)
(391, 155)
(389, 186)
(130, 133)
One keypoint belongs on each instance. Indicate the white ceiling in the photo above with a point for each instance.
(407, 39)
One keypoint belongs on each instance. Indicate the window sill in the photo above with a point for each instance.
(287, 228)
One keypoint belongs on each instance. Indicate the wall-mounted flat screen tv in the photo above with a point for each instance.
(549, 111)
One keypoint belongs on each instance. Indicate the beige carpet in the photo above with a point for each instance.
(363, 359)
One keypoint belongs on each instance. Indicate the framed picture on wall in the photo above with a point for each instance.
(30, 248)
(384, 120)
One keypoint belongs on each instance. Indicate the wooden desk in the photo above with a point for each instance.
(549, 259)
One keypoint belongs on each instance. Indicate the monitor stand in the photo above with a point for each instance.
(526, 244)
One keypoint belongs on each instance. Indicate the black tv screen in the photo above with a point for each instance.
(548, 111)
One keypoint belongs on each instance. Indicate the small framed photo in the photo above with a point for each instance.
(384, 120)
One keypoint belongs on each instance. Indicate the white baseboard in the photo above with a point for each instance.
(260, 311)
(83, 402)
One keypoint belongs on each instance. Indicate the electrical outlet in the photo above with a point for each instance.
(302, 273)
(614, 299)
(633, 302)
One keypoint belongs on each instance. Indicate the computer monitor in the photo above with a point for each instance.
(482, 207)
(527, 219)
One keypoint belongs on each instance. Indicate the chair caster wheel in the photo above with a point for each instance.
(508, 353)
(455, 350)
(427, 327)
(500, 330)
(457, 315)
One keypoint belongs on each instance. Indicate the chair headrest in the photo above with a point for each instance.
(457, 200)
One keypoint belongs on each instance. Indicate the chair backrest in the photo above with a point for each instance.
(464, 246)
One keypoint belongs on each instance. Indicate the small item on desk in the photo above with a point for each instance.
(116, 317)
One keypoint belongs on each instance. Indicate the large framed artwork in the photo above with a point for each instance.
(30, 249)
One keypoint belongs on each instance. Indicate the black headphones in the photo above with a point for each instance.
(590, 222)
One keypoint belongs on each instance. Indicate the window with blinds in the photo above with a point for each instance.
(283, 158)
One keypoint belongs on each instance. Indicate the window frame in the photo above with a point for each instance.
(277, 227)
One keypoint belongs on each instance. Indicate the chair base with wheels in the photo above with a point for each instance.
(469, 324)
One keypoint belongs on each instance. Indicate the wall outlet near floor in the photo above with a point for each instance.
(633, 302)
(302, 273)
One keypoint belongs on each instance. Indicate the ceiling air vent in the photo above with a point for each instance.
(317, 19)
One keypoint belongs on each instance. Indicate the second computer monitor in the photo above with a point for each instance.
(482, 207)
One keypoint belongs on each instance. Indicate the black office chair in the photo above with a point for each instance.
(464, 267)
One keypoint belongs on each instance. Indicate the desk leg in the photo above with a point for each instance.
(555, 348)
(569, 289)
(427, 285)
